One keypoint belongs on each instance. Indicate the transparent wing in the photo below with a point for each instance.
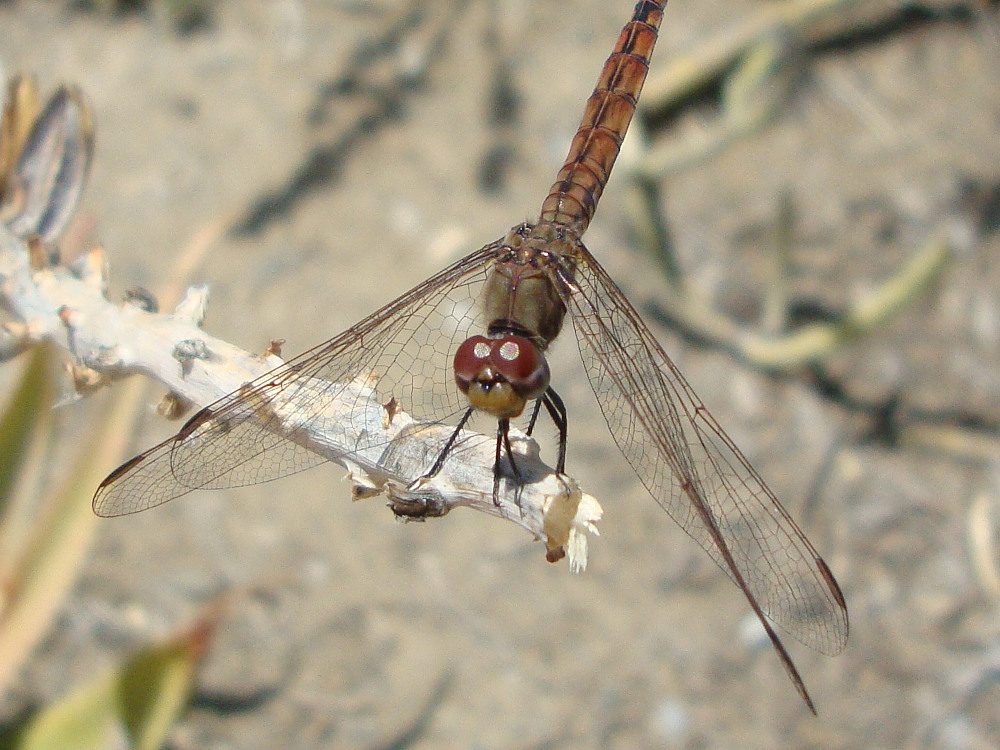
(408, 344)
(695, 472)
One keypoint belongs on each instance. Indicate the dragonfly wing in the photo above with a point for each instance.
(407, 347)
(693, 469)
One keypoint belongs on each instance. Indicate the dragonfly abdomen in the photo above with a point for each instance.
(573, 198)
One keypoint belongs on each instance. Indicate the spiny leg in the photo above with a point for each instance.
(557, 410)
(449, 443)
(534, 416)
(503, 446)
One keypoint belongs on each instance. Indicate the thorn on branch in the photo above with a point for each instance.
(38, 257)
(194, 305)
(173, 406)
(273, 349)
(92, 268)
(85, 379)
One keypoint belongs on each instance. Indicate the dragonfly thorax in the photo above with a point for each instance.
(520, 293)
(499, 375)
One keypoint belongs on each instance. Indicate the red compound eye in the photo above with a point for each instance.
(522, 365)
(472, 357)
(500, 375)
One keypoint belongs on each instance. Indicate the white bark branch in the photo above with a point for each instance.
(69, 306)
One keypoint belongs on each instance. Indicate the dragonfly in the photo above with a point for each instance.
(447, 363)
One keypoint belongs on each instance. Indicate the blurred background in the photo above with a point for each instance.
(799, 167)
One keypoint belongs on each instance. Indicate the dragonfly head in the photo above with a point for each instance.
(500, 375)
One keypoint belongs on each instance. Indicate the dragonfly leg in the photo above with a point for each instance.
(534, 416)
(557, 410)
(503, 446)
(449, 443)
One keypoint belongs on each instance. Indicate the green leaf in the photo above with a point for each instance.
(27, 407)
(84, 719)
(134, 706)
(154, 688)
(61, 536)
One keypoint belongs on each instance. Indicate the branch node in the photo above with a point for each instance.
(142, 298)
(273, 349)
(92, 268)
(173, 406)
(194, 304)
(85, 379)
(38, 257)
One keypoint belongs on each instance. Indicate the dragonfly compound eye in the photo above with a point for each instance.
(500, 375)
(522, 365)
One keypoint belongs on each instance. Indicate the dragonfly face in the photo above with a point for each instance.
(500, 375)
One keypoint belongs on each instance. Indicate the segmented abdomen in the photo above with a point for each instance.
(573, 198)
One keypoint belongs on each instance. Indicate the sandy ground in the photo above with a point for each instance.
(354, 631)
